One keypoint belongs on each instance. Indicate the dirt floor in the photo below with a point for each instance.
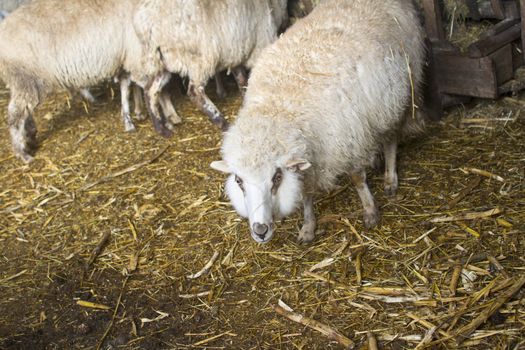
(449, 250)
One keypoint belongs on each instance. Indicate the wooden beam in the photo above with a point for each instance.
(499, 27)
(492, 43)
(460, 75)
(497, 7)
(512, 9)
(432, 98)
(522, 11)
(473, 9)
(433, 22)
(502, 59)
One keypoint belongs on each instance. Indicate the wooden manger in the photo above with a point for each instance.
(486, 69)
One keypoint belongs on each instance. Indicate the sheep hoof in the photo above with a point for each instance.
(161, 127)
(371, 218)
(175, 119)
(163, 131)
(130, 127)
(25, 157)
(169, 125)
(391, 185)
(140, 116)
(32, 143)
(390, 189)
(307, 233)
(223, 124)
(221, 94)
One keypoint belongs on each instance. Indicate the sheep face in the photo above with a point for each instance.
(265, 195)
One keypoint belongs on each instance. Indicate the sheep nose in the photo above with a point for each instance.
(260, 229)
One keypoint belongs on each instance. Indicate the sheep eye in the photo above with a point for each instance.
(276, 180)
(239, 182)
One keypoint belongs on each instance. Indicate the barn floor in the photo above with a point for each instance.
(164, 215)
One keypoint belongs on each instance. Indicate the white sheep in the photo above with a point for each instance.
(86, 42)
(337, 88)
(8, 6)
(198, 38)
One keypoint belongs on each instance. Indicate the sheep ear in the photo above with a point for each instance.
(298, 164)
(220, 165)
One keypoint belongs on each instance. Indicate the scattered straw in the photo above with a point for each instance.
(168, 215)
(328, 331)
(206, 267)
(468, 216)
(92, 305)
(464, 332)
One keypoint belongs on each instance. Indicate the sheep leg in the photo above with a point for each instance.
(241, 77)
(370, 212)
(138, 103)
(198, 96)
(22, 128)
(125, 84)
(219, 86)
(168, 108)
(391, 182)
(307, 232)
(87, 95)
(84, 93)
(152, 94)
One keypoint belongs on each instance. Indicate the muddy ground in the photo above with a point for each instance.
(165, 218)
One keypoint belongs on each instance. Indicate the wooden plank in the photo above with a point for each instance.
(497, 7)
(512, 9)
(460, 75)
(432, 99)
(500, 27)
(473, 9)
(503, 63)
(522, 11)
(453, 100)
(492, 43)
(487, 9)
(517, 57)
(433, 22)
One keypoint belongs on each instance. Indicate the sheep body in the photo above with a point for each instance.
(86, 42)
(76, 49)
(8, 6)
(198, 38)
(321, 102)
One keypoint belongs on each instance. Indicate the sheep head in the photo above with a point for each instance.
(266, 194)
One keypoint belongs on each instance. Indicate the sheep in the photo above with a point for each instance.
(86, 42)
(322, 101)
(198, 38)
(8, 6)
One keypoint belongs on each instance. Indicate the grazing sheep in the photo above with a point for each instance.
(198, 38)
(322, 101)
(87, 42)
(7, 6)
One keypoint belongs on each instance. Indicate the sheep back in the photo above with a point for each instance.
(58, 43)
(196, 38)
(331, 89)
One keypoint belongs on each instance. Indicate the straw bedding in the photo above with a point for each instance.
(116, 240)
